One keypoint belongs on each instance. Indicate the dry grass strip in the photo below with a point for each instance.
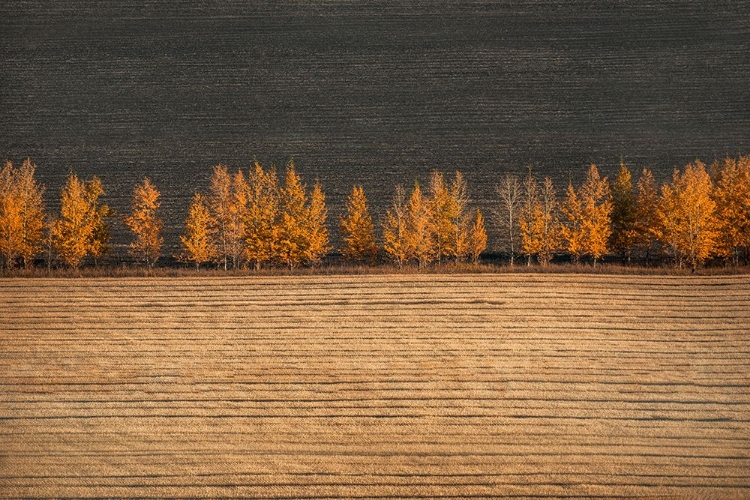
(376, 386)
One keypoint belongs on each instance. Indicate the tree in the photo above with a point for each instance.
(572, 230)
(458, 245)
(395, 241)
(732, 197)
(235, 227)
(98, 215)
(539, 223)
(550, 223)
(530, 220)
(510, 195)
(597, 209)
(200, 229)
(477, 240)
(357, 229)
(316, 241)
(228, 203)
(623, 234)
(588, 217)
(646, 219)
(419, 228)
(291, 236)
(687, 215)
(443, 210)
(262, 216)
(74, 230)
(10, 219)
(219, 201)
(21, 213)
(145, 224)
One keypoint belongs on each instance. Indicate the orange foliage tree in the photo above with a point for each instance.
(199, 239)
(687, 215)
(219, 201)
(529, 218)
(477, 238)
(316, 240)
(572, 230)
(623, 231)
(228, 202)
(145, 225)
(82, 229)
(261, 216)
(588, 217)
(21, 214)
(99, 214)
(539, 222)
(395, 241)
(419, 229)
(290, 230)
(646, 219)
(443, 208)
(732, 196)
(459, 244)
(357, 229)
(236, 219)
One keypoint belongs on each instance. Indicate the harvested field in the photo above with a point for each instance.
(376, 386)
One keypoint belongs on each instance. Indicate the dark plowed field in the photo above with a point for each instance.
(367, 91)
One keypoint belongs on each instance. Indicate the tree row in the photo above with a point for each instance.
(702, 213)
(257, 219)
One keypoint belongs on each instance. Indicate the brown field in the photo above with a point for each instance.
(376, 386)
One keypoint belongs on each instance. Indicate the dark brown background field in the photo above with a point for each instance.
(371, 92)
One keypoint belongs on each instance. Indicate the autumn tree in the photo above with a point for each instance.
(395, 240)
(227, 201)
(419, 228)
(9, 217)
(316, 240)
(732, 197)
(21, 213)
(588, 217)
(235, 227)
(509, 196)
(687, 215)
(72, 230)
(477, 239)
(459, 244)
(99, 215)
(573, 230)
(539, 221)
(82, 229)
(443, 211)
(357, 229)
(529, 218)
(144, 223)
(262, 216)
(218, 201)
(646, 218)
(623, 233)
(549, 225)
(291, 236)
(200, 229)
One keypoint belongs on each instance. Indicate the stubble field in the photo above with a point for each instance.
(376, 386)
